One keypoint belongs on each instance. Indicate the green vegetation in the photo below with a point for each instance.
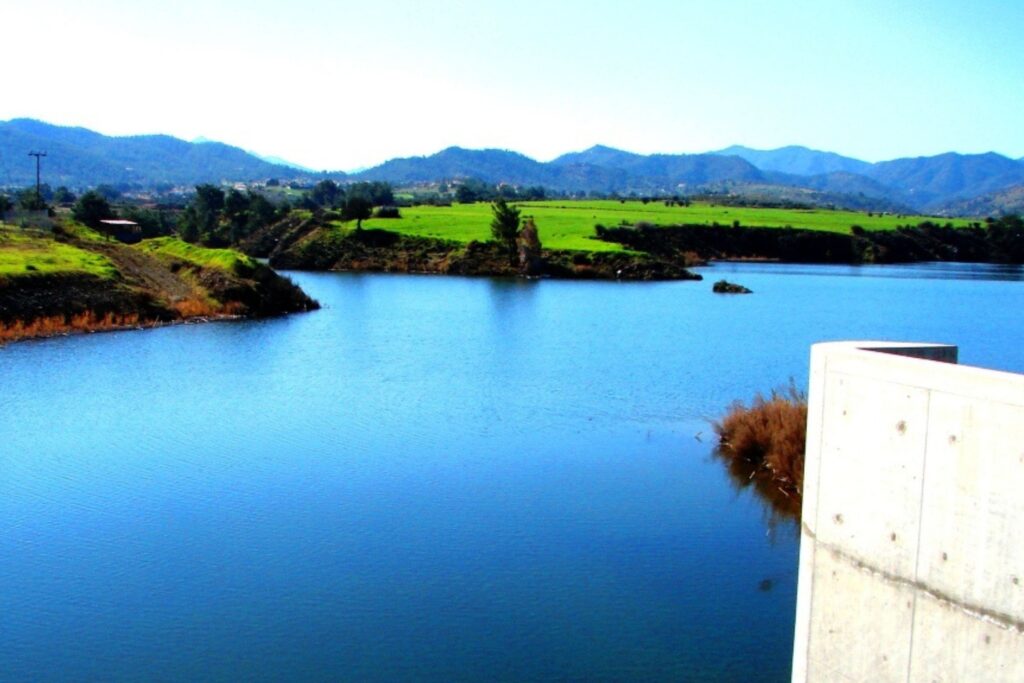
(91, 208)
(505, 226)
(218, 219)
(570, 224)
(224, 259)
(23, 254)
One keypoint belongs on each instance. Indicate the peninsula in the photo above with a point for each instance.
(70, 278)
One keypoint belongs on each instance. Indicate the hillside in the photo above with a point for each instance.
(81, 158)
(1001, 203)
(600, 168)
(494, 165)
(821, 178)
(797, 160)
(930, 182)
(73, 280)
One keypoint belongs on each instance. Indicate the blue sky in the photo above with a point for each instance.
(341, 85)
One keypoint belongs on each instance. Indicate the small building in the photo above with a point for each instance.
(121, 230)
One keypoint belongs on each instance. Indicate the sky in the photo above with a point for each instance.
(339, 85)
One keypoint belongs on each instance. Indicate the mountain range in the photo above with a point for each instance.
(78, 157)
(946, 183)
(790, 173)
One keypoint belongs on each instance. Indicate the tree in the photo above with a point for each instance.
(464, 194)
(28, 200)
(531, 261)
(378, 193)
(261, 212)
(5, 204)
(63, 195)
(236, 210)
(109, 191)
(91, 208)
(505, 227)
(474, 190)
(326, 194)
(201, 218)
(357, 208)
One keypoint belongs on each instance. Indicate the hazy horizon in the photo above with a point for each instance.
(343, 85)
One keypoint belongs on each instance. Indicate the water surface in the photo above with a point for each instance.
(432, 478)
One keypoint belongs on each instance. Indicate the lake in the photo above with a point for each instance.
(432, 478)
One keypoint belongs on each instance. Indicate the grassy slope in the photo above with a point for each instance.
(224, 259)
(570, 225)
(26, 254)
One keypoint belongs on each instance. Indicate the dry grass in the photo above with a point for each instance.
(58, 324)
(55, 325)
(770, 436)
(193, 308)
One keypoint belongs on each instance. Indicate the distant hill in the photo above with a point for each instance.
(796, 160)
(1005, 201)
(600, 168)
(79, 158)
(665, 170)
(599, 155)
(492, 165)
(843, 183)
(278, 161)
(922, 184)
(931, 182)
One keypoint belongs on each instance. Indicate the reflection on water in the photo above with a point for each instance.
(780, 507)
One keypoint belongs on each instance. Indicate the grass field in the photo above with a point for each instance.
(570, 224)
(25, 254)
(225, 259)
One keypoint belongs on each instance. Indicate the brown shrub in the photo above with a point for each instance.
(770, 435)
(191, 308)
(48, 326)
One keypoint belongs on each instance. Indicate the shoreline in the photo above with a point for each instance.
(69, 330)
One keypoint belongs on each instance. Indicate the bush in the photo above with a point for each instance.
(387, 212)
(770, 434)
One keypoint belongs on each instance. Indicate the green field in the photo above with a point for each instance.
(23, 253)
(225, 259)
(570, 224)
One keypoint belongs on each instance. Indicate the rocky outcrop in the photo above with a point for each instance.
(726, 287)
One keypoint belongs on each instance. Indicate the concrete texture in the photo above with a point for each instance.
(911, 560)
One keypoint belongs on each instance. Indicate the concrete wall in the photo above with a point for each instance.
(912, 546)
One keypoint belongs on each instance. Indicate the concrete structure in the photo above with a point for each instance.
(912, 547)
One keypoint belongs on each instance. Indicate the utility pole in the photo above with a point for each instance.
(39, 198)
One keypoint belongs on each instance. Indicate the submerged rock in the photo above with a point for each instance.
(726, 287)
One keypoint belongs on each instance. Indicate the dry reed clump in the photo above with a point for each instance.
(194, 308)
(49, 326)
(770, 435)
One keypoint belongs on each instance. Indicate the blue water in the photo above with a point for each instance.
(432, 478)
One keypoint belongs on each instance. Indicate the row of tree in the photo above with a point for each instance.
(327, 194)
(218, 219)
(474, 190)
